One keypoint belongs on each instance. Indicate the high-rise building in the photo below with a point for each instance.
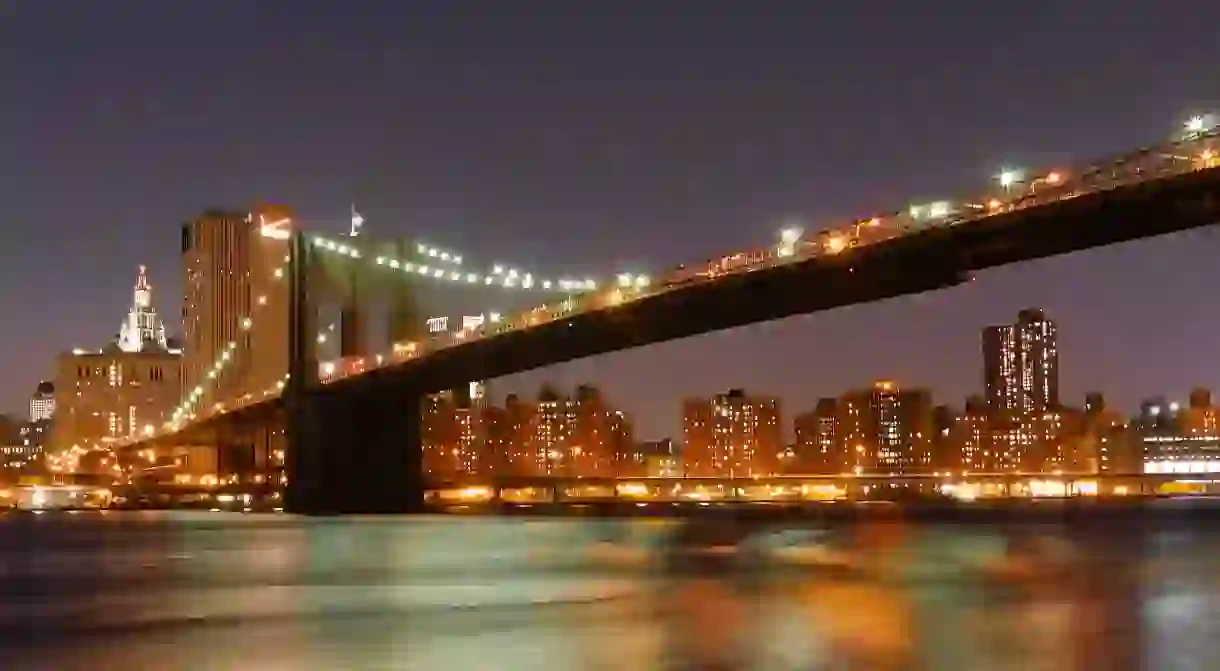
(887, 429)
(509, 437)
(439, 437)
(42, 403)
(971, 435)
(732, 435)
(1021, 365)
(235, 299)
(552, 429)
(125, 389)
(598, 433)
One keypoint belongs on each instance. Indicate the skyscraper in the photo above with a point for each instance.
(1021, 365)
(233, 293)
(887, 429)
(441, 435)
(732, 435)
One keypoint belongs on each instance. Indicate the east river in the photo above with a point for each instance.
(168, 591)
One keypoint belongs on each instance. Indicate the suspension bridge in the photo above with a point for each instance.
(348, 425)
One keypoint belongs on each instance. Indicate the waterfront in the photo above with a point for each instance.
(221, 591)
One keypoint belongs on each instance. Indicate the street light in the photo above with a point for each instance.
(1009, 177)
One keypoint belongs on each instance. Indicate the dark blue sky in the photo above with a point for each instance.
(600, 135)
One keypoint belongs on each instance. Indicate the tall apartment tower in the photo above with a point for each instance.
(886, 429)
(235, 297)
(732, 435)
(1021, 365)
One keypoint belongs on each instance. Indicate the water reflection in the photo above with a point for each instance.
(246, 592)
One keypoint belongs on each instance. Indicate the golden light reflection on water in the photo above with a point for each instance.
(474, 593)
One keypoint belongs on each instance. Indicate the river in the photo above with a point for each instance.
(203, 591)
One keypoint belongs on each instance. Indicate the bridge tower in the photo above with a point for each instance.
(352, 446)
(353, 339)
(405, 316)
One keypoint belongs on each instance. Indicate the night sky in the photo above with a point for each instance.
(594, 136)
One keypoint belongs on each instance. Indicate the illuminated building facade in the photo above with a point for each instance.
(465, 435)
(887, 429)
(42, 403)
(1030, 442)
(1177, 439)
(461, 434)
(1181, 454)
(104, 396)
(554, 420)
(439, 437)
(1021, 365)
(650, 459)
(971, 435)
(732, 435)
(126, 388)
(599, 436)
(235, 291)
(1101, 444)
(509, 433)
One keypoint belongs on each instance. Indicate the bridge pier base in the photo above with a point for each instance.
(355, 452)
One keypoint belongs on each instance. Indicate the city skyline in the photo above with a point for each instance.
(587, 191)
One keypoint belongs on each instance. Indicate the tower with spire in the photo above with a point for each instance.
(141, 330)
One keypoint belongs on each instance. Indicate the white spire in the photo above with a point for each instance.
(357, 222)
(141, 326)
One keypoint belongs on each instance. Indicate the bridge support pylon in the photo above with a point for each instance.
(358, 451)
(353, 447)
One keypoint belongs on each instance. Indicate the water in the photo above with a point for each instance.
(218, 591)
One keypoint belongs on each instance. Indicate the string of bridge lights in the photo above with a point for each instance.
(443, 269)
(510, 278)
(186, 409)
(498, 276)
(444, 265)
